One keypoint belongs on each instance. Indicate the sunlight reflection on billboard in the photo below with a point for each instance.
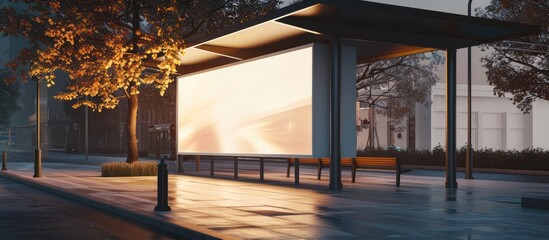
(259, 107)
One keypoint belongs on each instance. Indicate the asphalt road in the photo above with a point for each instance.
(29, 213)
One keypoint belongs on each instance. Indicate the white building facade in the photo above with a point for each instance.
(496, 122)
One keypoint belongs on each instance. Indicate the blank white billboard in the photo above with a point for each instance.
(276, 105)
(256, 108)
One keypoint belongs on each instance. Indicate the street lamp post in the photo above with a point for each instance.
(37, 151)
(9, 128)
(370, 101)
(86, 147)
(9, 139)
(469, 155)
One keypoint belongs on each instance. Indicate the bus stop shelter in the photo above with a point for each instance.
(376, 31)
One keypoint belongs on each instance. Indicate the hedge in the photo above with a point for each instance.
(527, 159)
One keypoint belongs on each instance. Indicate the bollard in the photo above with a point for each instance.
(5, 161)
(162, 190)
(37, 163)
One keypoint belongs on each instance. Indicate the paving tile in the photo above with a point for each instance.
(372, 208)
(307, 219)
(221, 212)
(260, 221)
(254, 233)
(215, 222)
(309, 232)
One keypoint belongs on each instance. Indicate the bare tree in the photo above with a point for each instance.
(396, 85)
(521, 66)
(9, 95)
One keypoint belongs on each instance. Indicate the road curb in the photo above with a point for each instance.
(484, 170)
(187, 230)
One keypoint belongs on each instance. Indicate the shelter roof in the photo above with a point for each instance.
(378, 31)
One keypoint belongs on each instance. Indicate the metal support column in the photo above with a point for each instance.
(469, 154)
(9, 139)
(371, 128)
(335, 114)
(179, 163)
(451, 118)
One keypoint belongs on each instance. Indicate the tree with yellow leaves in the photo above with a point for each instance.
(110, 48)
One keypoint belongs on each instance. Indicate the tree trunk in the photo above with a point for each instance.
(133, 152)
(131, 132)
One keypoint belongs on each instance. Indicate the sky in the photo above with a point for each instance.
(449, 6)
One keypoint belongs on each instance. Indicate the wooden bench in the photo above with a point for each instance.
(378, 163)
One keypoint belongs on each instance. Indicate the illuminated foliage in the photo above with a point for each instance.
(110, 48)
(521, 66)
(98, 46)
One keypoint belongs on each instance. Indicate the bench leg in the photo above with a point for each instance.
(353, 170)
(296, 173)
(197, 162)
(236, 168)
(288, 170)
(319, 172)
(398, 179)
(261, 169)
(211, 166)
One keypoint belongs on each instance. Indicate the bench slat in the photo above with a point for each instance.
(345, 162)
(306, 161)
(359, 164)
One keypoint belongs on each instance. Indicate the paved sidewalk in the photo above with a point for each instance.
(372, 208)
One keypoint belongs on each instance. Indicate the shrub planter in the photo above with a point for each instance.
(122, 169)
